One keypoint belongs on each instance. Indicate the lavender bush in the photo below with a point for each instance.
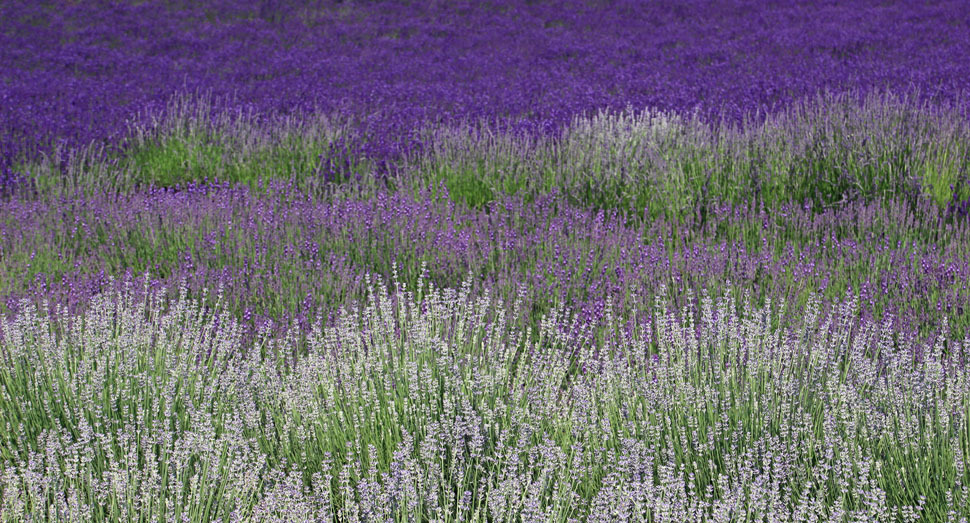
(828, 149)
(431, 405)
(281, 255)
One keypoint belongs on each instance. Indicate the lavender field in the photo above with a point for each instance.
(499, 261)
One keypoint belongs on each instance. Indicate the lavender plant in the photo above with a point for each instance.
(283, 254)
(828, 149)
(431, 404)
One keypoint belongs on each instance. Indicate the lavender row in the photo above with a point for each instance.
(429, 404)
(828, 150)
(282, 255)
(71, 74)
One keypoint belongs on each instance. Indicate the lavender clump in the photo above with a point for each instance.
(429, 404)
(244, 241)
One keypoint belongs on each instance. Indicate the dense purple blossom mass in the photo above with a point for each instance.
(76, 72)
